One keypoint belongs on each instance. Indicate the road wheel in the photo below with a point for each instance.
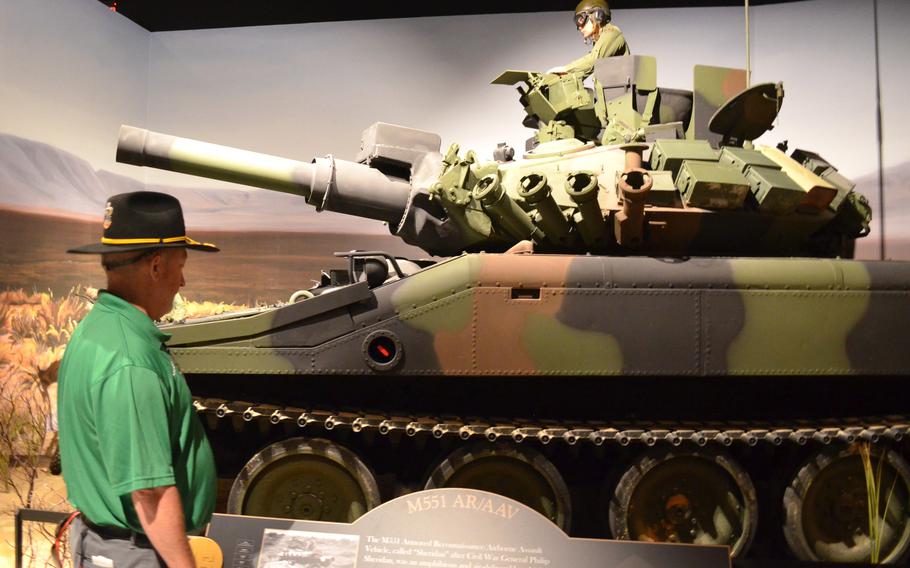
(521, 474)
(827, 512)
(315, 480)
(698, 497)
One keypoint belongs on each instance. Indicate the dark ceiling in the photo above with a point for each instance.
(168, 15)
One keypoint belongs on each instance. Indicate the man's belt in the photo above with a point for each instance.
(118, 533)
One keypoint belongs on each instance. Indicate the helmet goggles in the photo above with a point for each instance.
(581, 18)
(594, 13)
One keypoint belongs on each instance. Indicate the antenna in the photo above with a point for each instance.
(878, 134)
(748, 49)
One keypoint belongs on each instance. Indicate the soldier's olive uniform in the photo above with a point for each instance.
(610, 42)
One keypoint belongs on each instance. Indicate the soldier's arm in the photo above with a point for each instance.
(584, 64)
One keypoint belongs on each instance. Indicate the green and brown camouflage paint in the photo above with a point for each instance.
(491, 314)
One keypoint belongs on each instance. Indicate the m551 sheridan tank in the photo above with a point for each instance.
(646, 331)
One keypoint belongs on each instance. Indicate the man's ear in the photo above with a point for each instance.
(156, 266)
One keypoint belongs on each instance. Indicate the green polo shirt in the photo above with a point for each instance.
(127, 420)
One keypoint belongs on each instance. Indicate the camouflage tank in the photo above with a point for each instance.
(649, 330)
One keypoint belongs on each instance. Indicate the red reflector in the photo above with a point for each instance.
(382, 350)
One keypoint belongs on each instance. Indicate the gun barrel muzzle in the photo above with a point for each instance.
(142, 147)
(326, 183)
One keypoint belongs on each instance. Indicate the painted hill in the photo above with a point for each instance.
(896, 215)
(38, 176)
(897, 191)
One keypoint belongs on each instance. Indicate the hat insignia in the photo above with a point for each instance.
(108, 215)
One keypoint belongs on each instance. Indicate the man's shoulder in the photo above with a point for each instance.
(105, 338)
(609, 33)
(610, 42)
(103, 328)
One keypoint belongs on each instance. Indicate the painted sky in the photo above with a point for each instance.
(72, 72)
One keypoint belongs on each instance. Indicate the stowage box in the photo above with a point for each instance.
(670, 154)
(774, 190)
(742, 159)
(663, 191)
(711, 185)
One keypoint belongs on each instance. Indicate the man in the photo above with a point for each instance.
(592, 19)
(135, 458)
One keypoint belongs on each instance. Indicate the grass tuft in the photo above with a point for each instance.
(876, 515)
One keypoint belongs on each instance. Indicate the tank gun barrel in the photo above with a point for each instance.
(326, 183)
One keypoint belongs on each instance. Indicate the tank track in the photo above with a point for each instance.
(869, 429)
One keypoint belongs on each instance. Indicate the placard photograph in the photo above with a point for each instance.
(306, 549)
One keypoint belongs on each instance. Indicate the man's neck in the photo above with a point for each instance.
(592, 39)
(128, 296)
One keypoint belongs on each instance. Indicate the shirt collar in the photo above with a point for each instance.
(134, 315)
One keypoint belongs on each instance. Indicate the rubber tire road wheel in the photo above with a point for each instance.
(521, 474)
(826, 517)
(299, 478)
(686, 496)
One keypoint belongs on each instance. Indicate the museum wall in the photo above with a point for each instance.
(74, 71)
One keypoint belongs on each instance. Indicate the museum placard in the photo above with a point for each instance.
(441, 528)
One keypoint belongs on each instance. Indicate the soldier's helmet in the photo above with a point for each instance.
(599, 10)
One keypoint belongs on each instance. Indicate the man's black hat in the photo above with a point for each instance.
(142, 220)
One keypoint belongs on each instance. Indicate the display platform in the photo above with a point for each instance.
(441, 528)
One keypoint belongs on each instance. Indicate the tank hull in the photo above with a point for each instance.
(598, 365)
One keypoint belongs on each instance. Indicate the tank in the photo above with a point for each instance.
(647, 327)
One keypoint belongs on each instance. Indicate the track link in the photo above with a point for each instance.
(869, 429)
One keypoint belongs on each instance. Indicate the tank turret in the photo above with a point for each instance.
(667, 173)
